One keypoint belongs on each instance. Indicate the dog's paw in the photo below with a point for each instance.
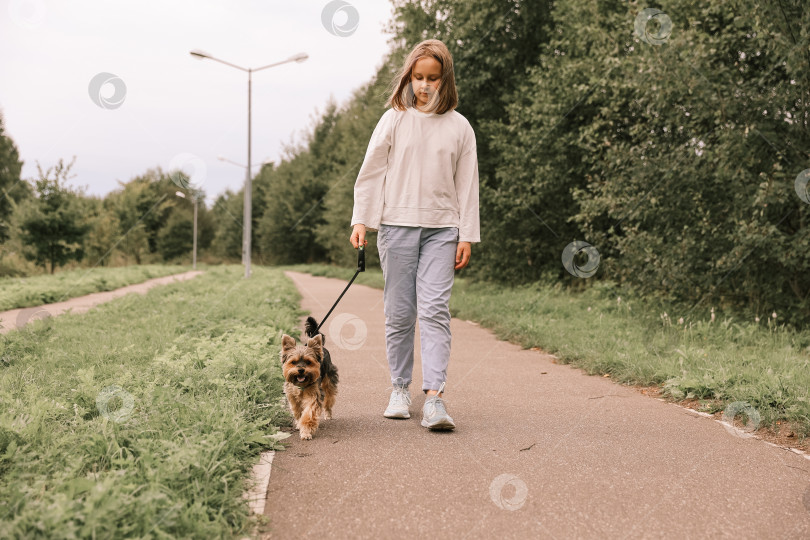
(327, 415)
(306, 436)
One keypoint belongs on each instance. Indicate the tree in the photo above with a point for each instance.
(53, 223)
(227, 214)
(691, 193)
(12, 188)
(103, 235)
(176, 237)
(293, 195)
(143, 206)
(347, 144)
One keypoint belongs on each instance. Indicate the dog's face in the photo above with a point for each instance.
(301, 364)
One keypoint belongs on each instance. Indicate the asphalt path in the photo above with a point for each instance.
(17, 318)
(541, 450)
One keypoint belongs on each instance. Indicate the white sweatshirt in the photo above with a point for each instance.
(420, 170)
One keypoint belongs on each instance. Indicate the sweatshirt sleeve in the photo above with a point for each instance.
(466, 181)
(368, 189)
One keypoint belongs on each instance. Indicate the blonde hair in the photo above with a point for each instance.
(402, 95)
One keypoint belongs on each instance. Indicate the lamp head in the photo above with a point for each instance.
(199, 55)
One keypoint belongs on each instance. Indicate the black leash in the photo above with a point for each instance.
(361, 267)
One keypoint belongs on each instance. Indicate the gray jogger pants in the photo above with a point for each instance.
(418, 268)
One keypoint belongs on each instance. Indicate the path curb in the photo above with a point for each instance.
(256, 494)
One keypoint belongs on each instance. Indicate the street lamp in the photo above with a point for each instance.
(300, 57)
(194, 196)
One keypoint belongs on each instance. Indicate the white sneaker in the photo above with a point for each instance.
(398, 403)
(434, 414)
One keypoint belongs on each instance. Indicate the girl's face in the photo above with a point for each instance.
(425, 77)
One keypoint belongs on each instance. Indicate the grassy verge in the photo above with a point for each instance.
(709, 363)
(143, 417)
(46, 289)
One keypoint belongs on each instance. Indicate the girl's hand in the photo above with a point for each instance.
(463, 254)
(358, 237)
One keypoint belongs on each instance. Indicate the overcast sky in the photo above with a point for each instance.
(175, 109)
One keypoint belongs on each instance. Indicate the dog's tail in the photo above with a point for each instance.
(311, 328)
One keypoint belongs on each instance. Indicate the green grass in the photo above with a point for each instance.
(200, 362)
(764, 364)
(47, 288)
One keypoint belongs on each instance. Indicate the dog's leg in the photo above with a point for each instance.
(295, 406)
(329, 394)
(310, 417)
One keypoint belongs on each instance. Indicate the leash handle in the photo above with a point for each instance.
(361, 267)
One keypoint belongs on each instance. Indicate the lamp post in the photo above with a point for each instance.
(300, 57)
(262, 164)
(194, 196)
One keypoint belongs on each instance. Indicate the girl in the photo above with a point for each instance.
(418, 187)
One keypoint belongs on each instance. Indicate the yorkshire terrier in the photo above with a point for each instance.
(310, 379)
